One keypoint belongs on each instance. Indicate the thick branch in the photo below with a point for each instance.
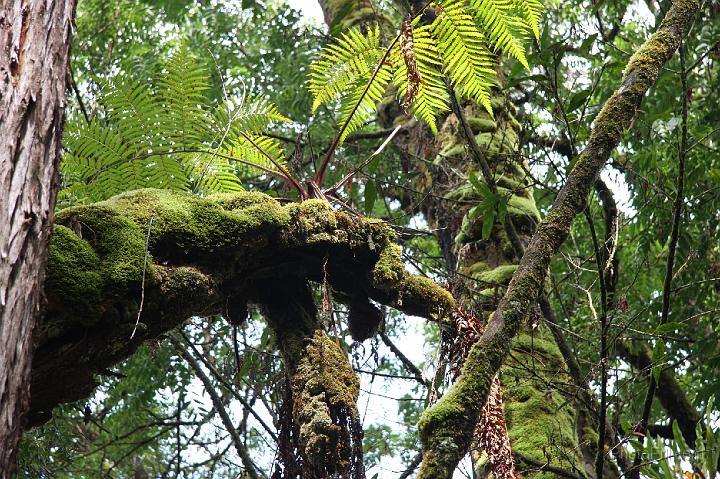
(207, 257)
(446, 428)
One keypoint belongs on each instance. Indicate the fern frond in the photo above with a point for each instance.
(360, 104)
(354, 56)
(253, 115)
(432, 97)
(466, 57)
(211, 173)
(182, 94)
(504, 29)
(91, 149)
(258, 154)
(133, 110)
(531, 11)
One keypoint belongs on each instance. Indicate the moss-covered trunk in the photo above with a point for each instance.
(145, 261)
(324, 436)
(540, 417)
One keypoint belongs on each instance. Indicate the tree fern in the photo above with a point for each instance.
(461, 44)
(171, 137)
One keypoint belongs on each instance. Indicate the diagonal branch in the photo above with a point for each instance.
(446, 428)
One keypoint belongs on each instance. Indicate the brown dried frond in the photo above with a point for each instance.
(491, 433)
(408, 53)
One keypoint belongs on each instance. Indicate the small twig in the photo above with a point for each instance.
(142, 290)
(412, 466)
(403, 359)
(250, 467)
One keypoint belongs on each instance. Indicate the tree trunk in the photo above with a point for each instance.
(35, 43)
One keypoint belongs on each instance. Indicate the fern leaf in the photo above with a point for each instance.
(182, 94)
(466, 57)
(211, 173)
(258, 154)
(432, 96)
(504, 30)
(531, 10)
(253, 115)
(354, 56)
(360, 104)
(133, 110)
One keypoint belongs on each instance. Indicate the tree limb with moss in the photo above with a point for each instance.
(446, 428)
(148, 260)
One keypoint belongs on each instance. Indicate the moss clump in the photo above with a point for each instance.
(414, 293)
(455, 150)
(325, 390)
(520, 206)
(481, 125)
(74, 275)
(541, 420)
(497, 276)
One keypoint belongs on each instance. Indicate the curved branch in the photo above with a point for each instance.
(446, 428)
(207, 254)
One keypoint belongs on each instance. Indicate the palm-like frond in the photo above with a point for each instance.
(344, 63)
(432, 97)
(505, 31)
(466, 58)
(256, 154)
(358, 104)
(169, 137)
(181, 92)
(531, 10)
(461, 43)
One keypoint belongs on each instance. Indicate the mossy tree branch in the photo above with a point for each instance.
(207, 256)
(446, 428)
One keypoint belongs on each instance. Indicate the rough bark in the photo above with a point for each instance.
(446, 428)
(204, 256)
(34, 55)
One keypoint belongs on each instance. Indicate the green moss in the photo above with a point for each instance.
(522, 206)
(499, 276)
(541, 421)
(389, 274)
(324, 388)
(453, 150)
(481, 125)
(74, 274)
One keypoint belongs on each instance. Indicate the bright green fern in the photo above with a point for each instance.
(461, 44)
(170, 136)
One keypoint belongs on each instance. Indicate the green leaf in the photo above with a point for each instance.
(488, 222)
(678, 437)
(577, 100)
(668, 328)
(370, 196)
(502, 209)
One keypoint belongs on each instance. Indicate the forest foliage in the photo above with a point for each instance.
(208, 97)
